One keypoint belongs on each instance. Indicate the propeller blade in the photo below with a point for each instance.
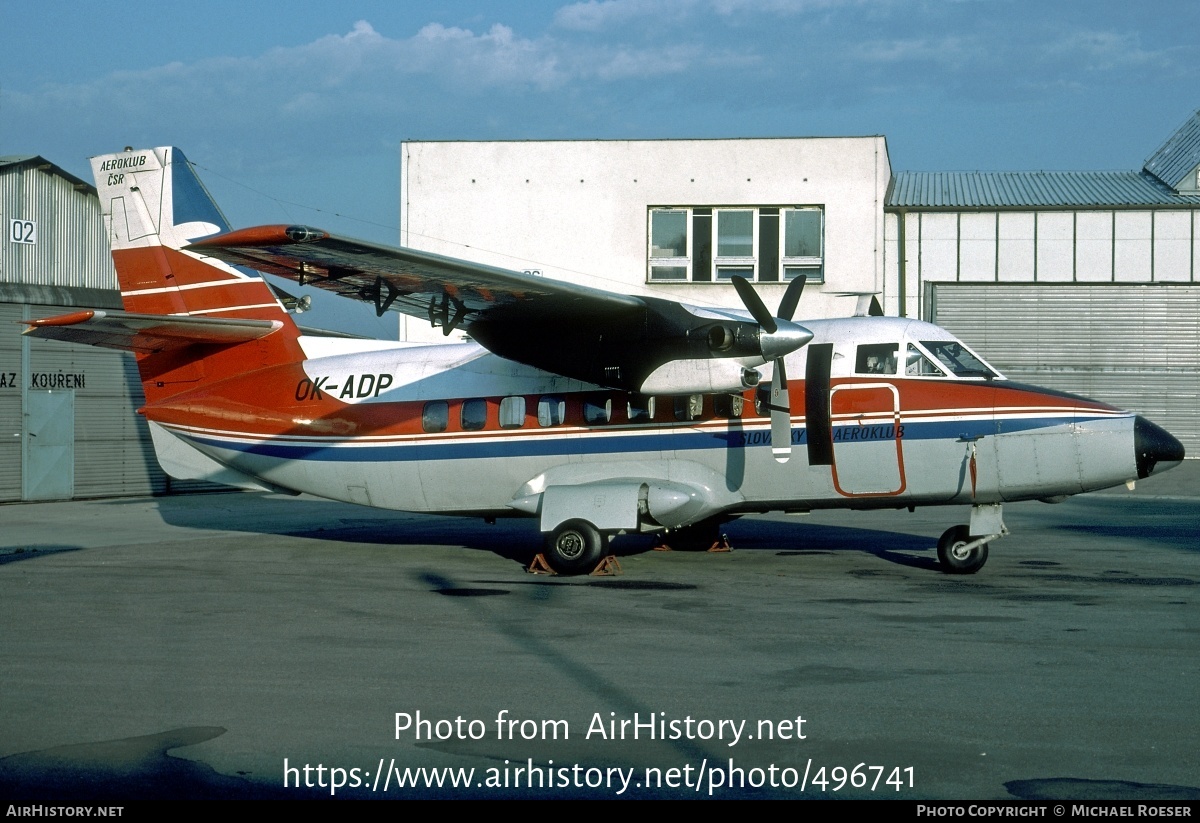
(781, 415)
(754, 304)
(791, 297)
(775, 344)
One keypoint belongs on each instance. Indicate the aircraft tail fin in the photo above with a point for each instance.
(153, 205)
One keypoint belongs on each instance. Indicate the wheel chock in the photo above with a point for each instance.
(722, 544)
(608, 567)
(540, 566)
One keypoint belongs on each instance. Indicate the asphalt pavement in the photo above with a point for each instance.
(256, 646)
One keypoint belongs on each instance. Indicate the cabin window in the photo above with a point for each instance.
(690, 407)
(877, 358)
(727, 405)
(597, 410)
(552, 411)
(703, 244)
(918, 365)
(955, 357)
(473, 415)
(512, 412)
(640, 409)
(435, 416)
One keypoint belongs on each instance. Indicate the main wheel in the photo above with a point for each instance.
(955, 557)
(575, 547)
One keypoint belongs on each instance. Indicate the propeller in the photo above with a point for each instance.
(779, 337)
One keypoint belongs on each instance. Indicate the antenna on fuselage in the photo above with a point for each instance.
(867, 305)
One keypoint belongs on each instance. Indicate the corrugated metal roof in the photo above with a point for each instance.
(37, 161)
(1179, 155)
(1031, 189)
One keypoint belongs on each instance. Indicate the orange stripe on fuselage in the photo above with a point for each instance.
(282, 401)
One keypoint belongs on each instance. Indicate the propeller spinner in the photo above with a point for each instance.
(779, 337)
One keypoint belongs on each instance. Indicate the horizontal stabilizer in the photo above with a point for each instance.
(147, 332)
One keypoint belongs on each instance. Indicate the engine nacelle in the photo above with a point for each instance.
(707, 376)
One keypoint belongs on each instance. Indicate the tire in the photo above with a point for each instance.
(952, 557)
(575, 547)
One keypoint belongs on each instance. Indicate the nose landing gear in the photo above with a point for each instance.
(959, 553)
(964, 549)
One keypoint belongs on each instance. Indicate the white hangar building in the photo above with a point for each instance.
(1080, 281)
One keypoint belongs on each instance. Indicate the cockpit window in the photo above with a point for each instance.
(956, 359)
(918, 365)
(877, 358)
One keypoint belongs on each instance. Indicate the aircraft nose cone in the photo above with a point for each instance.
(786, 339)
(1156, 449)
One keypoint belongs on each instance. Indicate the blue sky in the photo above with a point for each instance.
(294, 112)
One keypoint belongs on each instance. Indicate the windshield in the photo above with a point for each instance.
(918, 364)
(956, 359)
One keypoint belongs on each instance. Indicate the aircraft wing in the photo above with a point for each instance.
(146, 332)
(451, 293)
(638, 344)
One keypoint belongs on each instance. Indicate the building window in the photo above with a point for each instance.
(735, 243)
(803, 249)
(764, 243)
(669, 250)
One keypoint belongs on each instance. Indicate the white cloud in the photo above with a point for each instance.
(600, 15)
(603, 68)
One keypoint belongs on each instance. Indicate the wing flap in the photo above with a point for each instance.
(147, 332)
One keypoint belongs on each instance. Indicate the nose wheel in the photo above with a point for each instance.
(959, 553)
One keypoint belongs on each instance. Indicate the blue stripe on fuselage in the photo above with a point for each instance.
(474, 447)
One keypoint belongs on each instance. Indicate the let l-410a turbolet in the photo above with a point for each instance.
(589, 411)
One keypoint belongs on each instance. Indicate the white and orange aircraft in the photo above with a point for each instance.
(593, 412)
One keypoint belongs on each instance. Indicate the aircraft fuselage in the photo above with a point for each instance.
(455, 429)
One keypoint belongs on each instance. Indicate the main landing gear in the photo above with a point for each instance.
(575, 547)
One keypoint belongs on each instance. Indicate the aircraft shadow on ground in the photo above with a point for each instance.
(517, 539)
(18, 553)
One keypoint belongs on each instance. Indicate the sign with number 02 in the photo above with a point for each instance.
(22, 231)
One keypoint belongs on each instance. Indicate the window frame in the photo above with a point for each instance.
(812, 267)
(659, 262)
(718, 268)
